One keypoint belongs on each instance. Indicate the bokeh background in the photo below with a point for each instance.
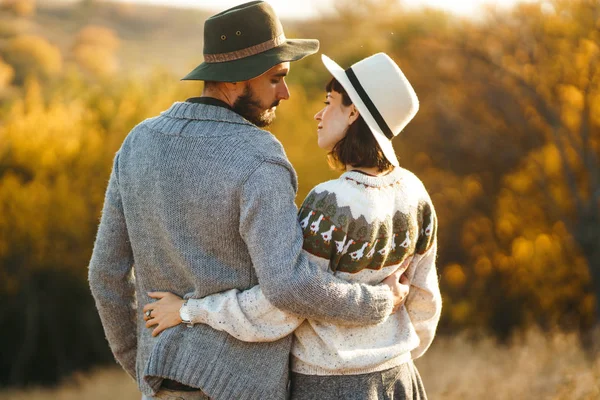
(507, 141)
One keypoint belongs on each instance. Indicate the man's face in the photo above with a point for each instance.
(262, 95)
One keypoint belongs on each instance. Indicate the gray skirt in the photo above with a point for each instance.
(399, 383)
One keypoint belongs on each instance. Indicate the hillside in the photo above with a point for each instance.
(149, 35)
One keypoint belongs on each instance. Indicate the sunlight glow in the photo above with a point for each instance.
(313, 8)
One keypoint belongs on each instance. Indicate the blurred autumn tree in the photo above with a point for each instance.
(517, 98)
(95, 50)
(21, 8)
(32, 55)
(507, 142)
(550, 70)
(6, 74)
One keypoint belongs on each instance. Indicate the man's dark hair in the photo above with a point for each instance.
(358, 148)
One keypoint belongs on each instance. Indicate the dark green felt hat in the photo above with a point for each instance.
(246, 41)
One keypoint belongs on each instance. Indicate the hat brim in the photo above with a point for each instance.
(250, 67)
(340, 75)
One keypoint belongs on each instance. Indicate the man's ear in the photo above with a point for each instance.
(237, 88)
(233, 90)
(354, 114)
(231, 87)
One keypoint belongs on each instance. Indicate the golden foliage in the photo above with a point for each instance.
(33, 55)
(45, 182)
(94, 50)
(7, 74)
(11, 27)
(454, 275)
(21, 8)
(546, 262)
(99, 36)
(97, 61)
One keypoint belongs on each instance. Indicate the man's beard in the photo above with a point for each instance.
(250, 108)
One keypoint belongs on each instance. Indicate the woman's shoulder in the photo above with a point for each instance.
(412, 183)
(330, 186)
(410, 177)
(329, 190)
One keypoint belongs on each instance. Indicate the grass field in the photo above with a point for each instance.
(533, 366)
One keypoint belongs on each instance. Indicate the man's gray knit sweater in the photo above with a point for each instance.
(201, 201)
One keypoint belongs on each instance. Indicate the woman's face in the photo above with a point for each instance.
(334, 120)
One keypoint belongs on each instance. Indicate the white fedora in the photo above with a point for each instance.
(382, 94)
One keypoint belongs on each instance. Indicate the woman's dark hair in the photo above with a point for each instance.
(358, 148)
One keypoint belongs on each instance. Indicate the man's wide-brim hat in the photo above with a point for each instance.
(245, 42)
(382, 94)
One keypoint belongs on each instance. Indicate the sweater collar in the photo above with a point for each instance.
(204, 112)
(373, 181)
(211, 101)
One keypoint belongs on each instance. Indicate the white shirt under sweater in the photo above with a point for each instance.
(361, 228)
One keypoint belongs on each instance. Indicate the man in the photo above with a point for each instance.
(201, 201)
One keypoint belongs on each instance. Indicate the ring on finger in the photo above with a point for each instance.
(149, 313)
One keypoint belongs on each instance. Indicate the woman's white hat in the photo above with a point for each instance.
(382, 94)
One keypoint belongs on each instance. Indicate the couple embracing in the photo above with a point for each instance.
(211, 284)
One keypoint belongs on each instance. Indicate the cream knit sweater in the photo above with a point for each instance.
(361, 229)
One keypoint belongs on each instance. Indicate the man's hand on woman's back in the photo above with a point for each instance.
(399, 284)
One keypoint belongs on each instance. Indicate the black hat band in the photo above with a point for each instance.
(369, 104)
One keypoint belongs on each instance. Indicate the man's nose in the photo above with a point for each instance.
(284, 92)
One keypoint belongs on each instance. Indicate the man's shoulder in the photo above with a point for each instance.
(264, 144)
(205, 121)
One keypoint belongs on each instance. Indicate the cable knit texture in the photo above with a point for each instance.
(201, 201)
(361, 229)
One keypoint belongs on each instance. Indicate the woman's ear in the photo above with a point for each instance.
(354, 114)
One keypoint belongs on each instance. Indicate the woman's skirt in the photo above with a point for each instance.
(399, 383)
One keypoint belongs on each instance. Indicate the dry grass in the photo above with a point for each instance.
(534, 366)
(110, 384)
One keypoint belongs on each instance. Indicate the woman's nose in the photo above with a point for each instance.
(318, 115)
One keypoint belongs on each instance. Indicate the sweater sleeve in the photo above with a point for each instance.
(424, 302)
(109, 276)
(248, 316)
(269, 226)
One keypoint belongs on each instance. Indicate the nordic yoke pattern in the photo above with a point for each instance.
(361, 229)
(353, 244)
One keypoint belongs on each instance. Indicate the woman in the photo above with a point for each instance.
(375, 220)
